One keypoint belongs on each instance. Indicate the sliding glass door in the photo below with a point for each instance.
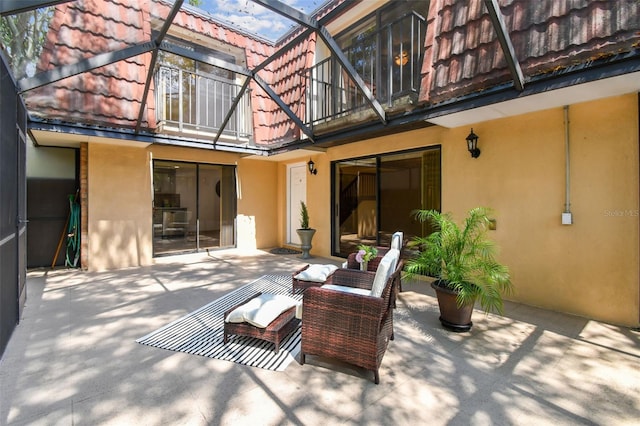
(193, 208)
(375, 197)
(355, 192)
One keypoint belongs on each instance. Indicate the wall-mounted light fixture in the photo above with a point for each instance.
(402, 58)
(312, 167)
(472, 144)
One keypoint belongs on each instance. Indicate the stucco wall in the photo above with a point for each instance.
(318, 203)
(120, 212)
(589, 268)
(257, 204)
(119, 207)
(256, 225)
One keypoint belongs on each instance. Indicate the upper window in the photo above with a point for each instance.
(196, 97)
(195, 66)
(387, 48)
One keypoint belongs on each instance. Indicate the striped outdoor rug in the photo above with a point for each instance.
(201, 331)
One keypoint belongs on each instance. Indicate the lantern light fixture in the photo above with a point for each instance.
(472, 144)
(312, 167)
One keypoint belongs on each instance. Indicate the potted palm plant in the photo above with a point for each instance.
(462, 259)
(305, 232)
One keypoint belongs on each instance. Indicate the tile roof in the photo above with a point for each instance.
(463, 54)
(272, 124)
(109, 95)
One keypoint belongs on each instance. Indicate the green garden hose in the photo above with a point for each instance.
(73, 234)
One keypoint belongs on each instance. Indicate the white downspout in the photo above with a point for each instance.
(567, 217)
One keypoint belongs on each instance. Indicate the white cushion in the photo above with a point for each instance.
(385, 269)
(347, 289)
(262, 310)
(396, 240)
(316, 273)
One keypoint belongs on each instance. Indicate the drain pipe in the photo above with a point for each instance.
(567, 217)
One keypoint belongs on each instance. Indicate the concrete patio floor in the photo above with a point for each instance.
(73, 360)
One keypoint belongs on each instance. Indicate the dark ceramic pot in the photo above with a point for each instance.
(452, 317)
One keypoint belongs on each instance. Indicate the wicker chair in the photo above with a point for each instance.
(349, 327)
(372, 266)
(396, 242)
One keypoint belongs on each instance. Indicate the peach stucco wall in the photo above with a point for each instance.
(119, 207)
(257, 204)
(120, 212)
(589, 268)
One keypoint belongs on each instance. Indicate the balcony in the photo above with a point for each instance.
(388, 60)
(193, 104)
(389, 63)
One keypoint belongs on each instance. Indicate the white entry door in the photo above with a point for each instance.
(296, 192)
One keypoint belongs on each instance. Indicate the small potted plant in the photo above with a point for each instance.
(462, 259)
(305, 232)
(364, 255)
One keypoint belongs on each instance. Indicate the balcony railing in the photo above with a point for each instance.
(388, 61)
(192, 103)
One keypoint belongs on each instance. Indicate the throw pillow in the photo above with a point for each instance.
(316, 273)
(385, 269)
(396, 240)
(262, 310)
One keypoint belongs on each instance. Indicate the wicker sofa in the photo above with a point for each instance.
(354, 328)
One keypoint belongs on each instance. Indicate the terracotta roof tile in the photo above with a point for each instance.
(290, 86)
(462, 54)
(109, 95)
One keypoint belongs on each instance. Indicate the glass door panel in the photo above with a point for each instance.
(194, 206)
(408, 182)
(356, 215)
(174, 207)
(400, 192)
(209, 206)
(432, 186)
(375, 197)
(228, 207)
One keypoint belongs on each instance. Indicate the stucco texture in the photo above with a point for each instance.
(257, 204)
(589, 268)
(119, 208)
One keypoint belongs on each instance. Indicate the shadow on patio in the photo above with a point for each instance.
(74, 360)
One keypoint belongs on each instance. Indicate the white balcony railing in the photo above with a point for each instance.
(191, 103)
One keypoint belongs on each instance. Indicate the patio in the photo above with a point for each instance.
(73, 359)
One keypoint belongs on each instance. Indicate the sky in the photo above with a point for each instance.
(253, 18)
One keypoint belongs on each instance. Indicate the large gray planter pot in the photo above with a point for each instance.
(306, 235)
